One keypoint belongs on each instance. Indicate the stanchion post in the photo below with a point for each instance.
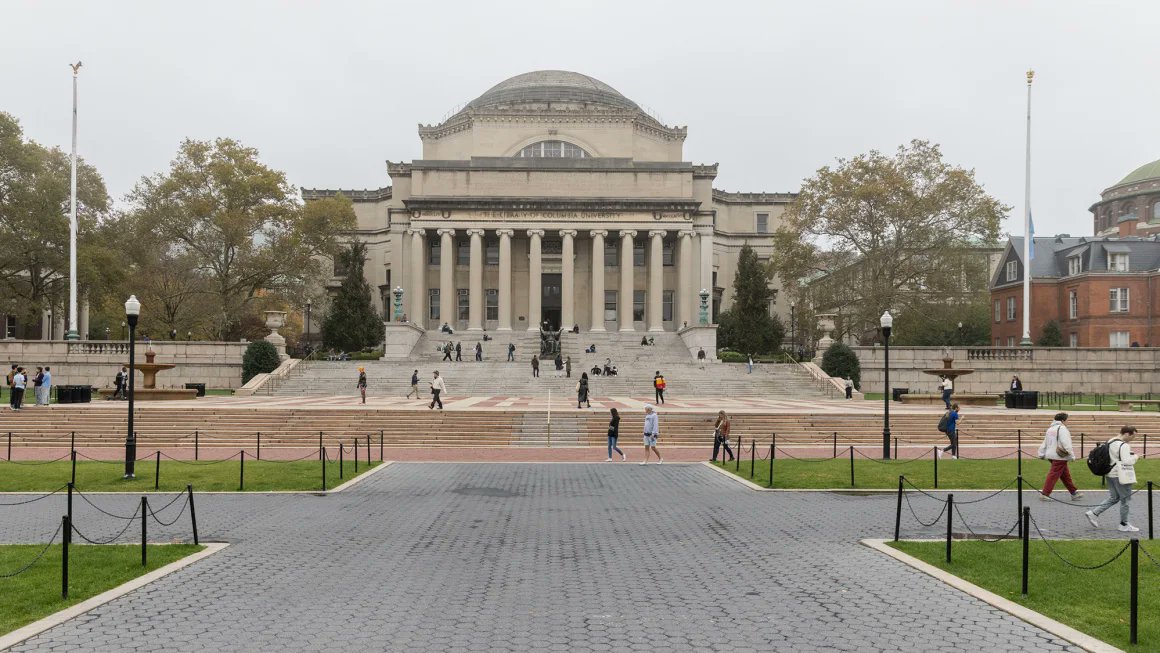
(1025, 535)
(321, 451)
(1135, 590)
(69, 505)
(192, 513)
(380, 445)
(1019, 503)
(157, 470)
(898, 510)
(835, 444)
(896, 447)
(368, 450)
(852, 466)
(355, 450)
(10, 445)
(144, 522)
(1081, 454)
(73, 456)
(737, 458)
(340, 460)
(934, 457)
(66, 525)
(770, 483)
(1019, 454)
(950, 520)
(241, 470)
(1149, 509)
(196, 444)
(752, 456)
(322, 457)
(1145, 445)
(258, 439)
(72, 442)
(773, 439)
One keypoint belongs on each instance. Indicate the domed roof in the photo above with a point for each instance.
(1144, 172)
(552, 86)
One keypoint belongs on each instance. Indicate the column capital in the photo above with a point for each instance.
(686, 233)
(446, 231)
(416, 231)
(628, 233)
(536, 232)
(505, 232)
(571, 233)
(657, 233)
(598, 232)
(475, 232)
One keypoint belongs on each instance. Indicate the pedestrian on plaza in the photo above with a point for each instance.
(447, 350)
(119, 383)
(950, 422)
(19, 381)
(459, 352)
(568, 367)
(947, 388)
(437, 388)
(582, 390)
(511, 352)
(1120, 480)
(46, 386)
(535, 367)
(613, 435)
(749, 364)
(701, 357)
(1016, 384)
(414, 385)
(1057, 448)
(37, 379)
(849, 388)
(721, 436)
(559, 362)
(659, 387)
(478, 352)
(362, 383)
(651, 431)
(8, 382)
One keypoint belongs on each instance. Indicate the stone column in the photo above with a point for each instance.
(475, 283)
(417, 302)
(535, 278)
(598, 279)
(567, 279)
(685, 292)
(446, 276)
(83, 320)
(625, 307)
(655, 281)
(505, 279)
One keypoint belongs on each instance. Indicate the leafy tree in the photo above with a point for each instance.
(239, 224)
(878, 232)
(841, 362)
(261, 357)
(747, 326)
(935, 324)
(352, 322)
(1051, 336)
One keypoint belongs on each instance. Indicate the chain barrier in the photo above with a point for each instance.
(34, 463)
(991, 495)
(43, 496)
(890, 462)
(1145, 551)
(38, 555)
(174, 520)
(1072, 564)
(128, 523)
(199, 462)
(981, 538)
(916, 518)
(176, 497)
(313, 454)
(1006, 455)
(147, 456)
(808, 460)
(102, 511)
(922, 491)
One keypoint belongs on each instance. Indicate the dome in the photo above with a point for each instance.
(552, 86)
(1143, 173)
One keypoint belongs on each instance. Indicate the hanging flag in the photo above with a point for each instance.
(1031, 231)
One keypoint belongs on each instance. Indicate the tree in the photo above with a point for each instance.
(884, 232)
(841, 362)
(747, 326)
(240, 224)
(1051, 336)
(352, 323)
(261, 357)
(935, 324)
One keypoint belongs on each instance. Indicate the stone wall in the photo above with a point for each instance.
(216, 364)
(1132, 370)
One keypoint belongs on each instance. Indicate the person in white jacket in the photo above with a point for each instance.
(1058, 449)
(437, 388)
(1120, 480)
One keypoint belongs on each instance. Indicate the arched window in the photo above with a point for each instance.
(552, 150)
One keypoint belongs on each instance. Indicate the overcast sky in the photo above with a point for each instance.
(327, 91)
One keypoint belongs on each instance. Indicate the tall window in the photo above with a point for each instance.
(1010, 341)
(667, 255)
(638, 299)
(463, 308)
(762, 223)
(463, 252)
(610, 260)
(1118, 339)
(434, 251)
(667, 306)
(552, 150)
(492, 252)
(1073, 341)
(433, 304)
(1011, 309)
(1156, 212)
(1012, 270)
(1118, 262)
(341, 266)
(9, 326)
(1072, 305)
(1118, 300)
(609, 305)
(492, 295)
(638, 254)
(1074, 265)
(998, 311)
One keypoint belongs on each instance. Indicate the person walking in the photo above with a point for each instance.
(414, 385)
(447, 350)
(437, 388)
(459, 352)
(1057, 448)
(651, 431)
(37, 379)
(582, 391)
(19, 381)
(947, 388)
(721, 436)
(362, 383)
(46, 386)
(478, 352)
(535, 367)
(950, 422)
(613, 435)
(701, 357)
(8, 380)
(1120, 480)
(511, 352)
(568, 367)
(749, 364)
(119, 384)
(659, 387)
(849, 388)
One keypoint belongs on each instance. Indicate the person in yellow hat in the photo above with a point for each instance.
(362, 383)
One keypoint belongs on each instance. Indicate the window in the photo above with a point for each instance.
(463, 307)
(463, 252)
(433, 304)
(609, 305)
(1072, 305)
(1118, 300)
(1074, 265)
(638, 299)
(667, 306)
(998, 311)
(1156, 212)
(492, 250)
(552, 150)
(1118, 262)
(1118, 339)
(1011, 314)
(341, 266)
(772, 297)
(762, 223)
(1010, 341)
(1073, 340)
(434, 252)
(610, 254)
(9, 326)
(638, 254)
(492, 304)
(998, 342)
(667, 255)
(1012, 270)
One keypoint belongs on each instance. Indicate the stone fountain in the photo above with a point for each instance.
(949, 371)
(148, 391)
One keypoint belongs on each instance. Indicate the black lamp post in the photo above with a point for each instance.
(132, 311)
(122, 330)
(960, 334)
(792, 331)
(886, 322)
(106, 333)
(306, 335)
(188, 336)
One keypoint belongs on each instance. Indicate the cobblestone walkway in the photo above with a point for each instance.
(517, 557)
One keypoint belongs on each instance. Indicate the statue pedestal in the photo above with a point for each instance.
(697, 337)
(399, 340)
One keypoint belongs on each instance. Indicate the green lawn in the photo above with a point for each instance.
(219, 392)
(952, 474)
(1094, 602)
(260, 475)
(92, 569)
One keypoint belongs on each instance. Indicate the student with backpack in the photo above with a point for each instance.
(659, 386)
(1115, 460)
(949, 424)
(1057, 448)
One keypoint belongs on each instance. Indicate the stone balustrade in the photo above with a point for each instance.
(95, 362)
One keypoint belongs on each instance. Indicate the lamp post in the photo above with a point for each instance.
(960, 334)
(704, 306)
(188, 336)
(307, 334)
(106, 333)
(122, 329)
(398, 293)
(792, 331)
(886, 322)
(72, 220)
(132, 310)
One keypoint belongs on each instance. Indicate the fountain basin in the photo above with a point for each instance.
(154, 394)
(962, 399)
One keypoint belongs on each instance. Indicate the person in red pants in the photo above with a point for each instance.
(1058, 449)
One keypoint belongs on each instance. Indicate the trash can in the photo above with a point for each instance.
(1028, 399)
(83, 394)
(1009, 398)
(896, 393)
(200, 387)
(63, 394)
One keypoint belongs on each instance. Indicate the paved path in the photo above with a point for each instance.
(569, 557)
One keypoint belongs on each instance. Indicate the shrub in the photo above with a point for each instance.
(840, 361)
(1051, 336)
(731, 356)
(261, 357)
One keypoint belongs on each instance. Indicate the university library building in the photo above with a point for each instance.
(553, 198)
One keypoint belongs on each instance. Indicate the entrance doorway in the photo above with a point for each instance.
(550, 299)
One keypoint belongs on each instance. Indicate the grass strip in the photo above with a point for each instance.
(1094, 602)
(35, 594)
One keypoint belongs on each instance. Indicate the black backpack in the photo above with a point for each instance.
(1100, 458)
(944, 422)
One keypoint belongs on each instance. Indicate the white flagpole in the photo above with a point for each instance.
(72, 222)
(1026, 342)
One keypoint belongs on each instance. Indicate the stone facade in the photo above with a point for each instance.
(552, 197)
(95, 363)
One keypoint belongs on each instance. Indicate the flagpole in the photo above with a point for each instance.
(1026, 342)
(72, 221)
